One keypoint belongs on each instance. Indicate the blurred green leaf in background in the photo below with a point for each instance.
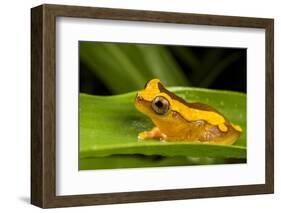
(119, 68)
(128, 67)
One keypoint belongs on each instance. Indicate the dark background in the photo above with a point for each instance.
(105, 68)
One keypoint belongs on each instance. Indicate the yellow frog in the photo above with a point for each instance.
(178, 120)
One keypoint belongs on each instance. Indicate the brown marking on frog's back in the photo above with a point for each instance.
(195, 105)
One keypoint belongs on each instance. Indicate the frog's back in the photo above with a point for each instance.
(205, 107)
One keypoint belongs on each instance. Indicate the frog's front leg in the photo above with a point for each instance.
(154, 133)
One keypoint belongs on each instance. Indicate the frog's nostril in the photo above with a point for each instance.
(139, 98)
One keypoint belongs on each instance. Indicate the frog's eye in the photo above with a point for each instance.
(160, 105)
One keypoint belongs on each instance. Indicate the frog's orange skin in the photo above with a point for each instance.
(183, 121)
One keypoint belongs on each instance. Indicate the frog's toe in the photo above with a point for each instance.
(142, 135)
(152, 134)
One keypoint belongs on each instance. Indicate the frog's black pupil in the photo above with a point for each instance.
(159, 104)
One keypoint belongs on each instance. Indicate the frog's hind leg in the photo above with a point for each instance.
(229, 137)
(154, 133)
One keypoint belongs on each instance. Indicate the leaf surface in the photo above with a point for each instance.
(109, 126)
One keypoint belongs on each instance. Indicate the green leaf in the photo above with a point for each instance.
(109, 126)
(127, 67)
(140, 161)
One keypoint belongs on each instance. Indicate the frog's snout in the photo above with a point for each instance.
(142, 105)
(139, 98)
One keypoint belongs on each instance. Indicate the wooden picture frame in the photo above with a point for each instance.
(43, 105)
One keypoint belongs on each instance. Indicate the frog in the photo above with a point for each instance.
(177, 119)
